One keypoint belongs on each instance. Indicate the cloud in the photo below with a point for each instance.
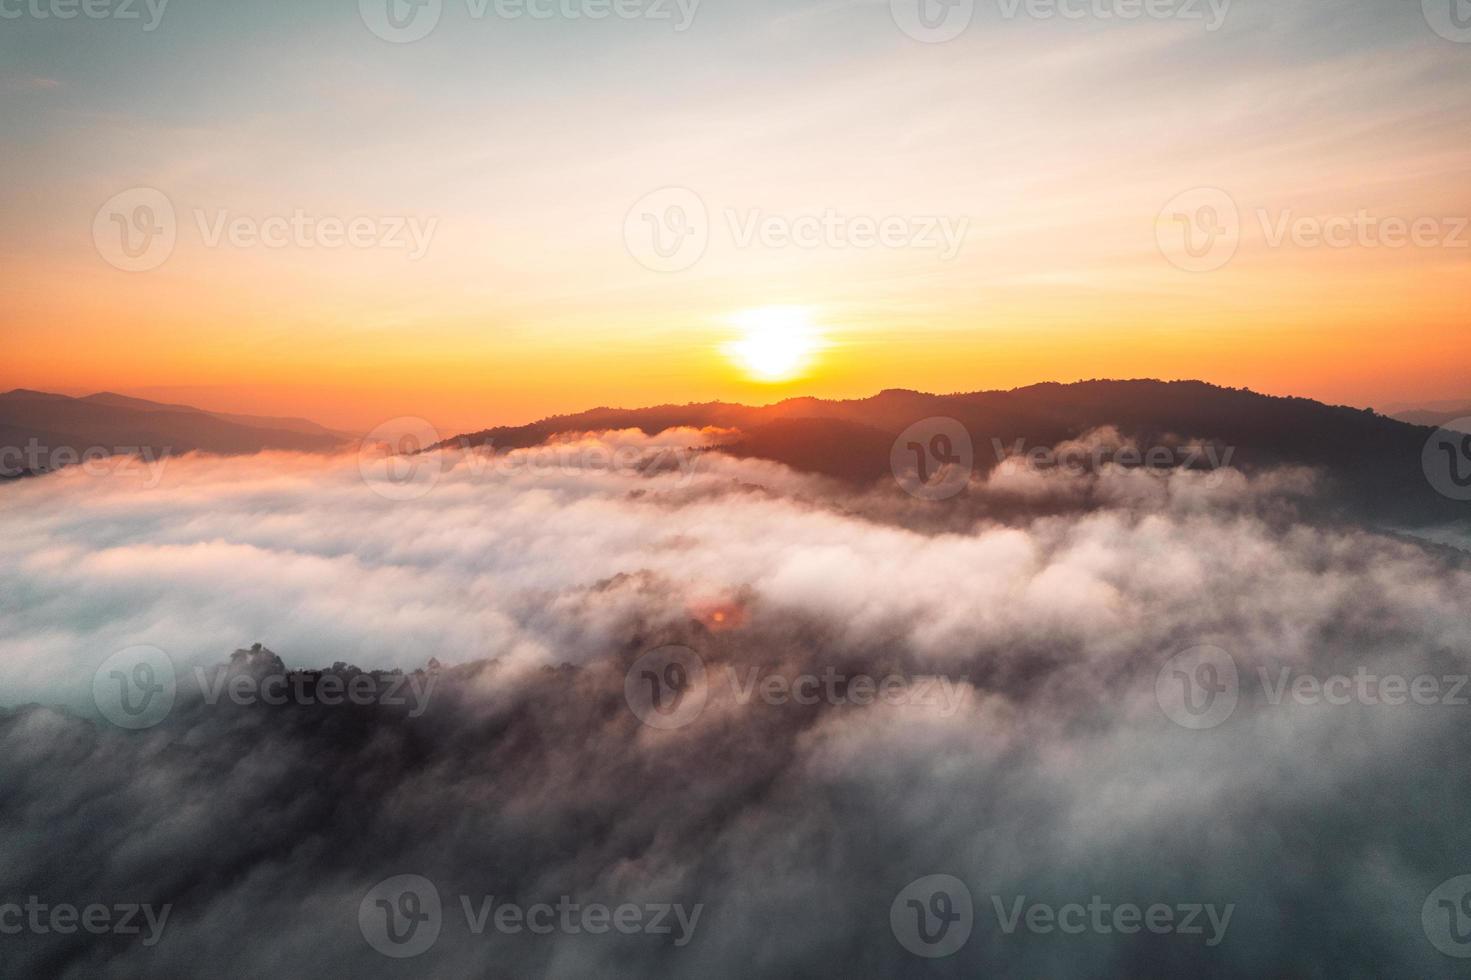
(31, 83)
(1055, 773)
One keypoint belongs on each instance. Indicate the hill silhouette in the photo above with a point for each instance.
(1371, 463)
(117, 424)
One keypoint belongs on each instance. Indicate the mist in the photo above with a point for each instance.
(872, 689)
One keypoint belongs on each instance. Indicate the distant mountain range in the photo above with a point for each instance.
(34, 425)
(1372, 463)
(1439, 415)
(304, 426)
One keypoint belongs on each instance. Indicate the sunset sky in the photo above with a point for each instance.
(525, 144)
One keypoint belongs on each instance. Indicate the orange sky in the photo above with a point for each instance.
(1064, 150)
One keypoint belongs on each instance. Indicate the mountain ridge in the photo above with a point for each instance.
(1373, 461)
(33, 423)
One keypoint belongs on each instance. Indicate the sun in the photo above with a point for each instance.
(776, 343)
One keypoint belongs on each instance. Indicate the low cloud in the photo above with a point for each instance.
(1059, 775)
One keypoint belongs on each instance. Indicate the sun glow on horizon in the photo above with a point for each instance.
(776, 343)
